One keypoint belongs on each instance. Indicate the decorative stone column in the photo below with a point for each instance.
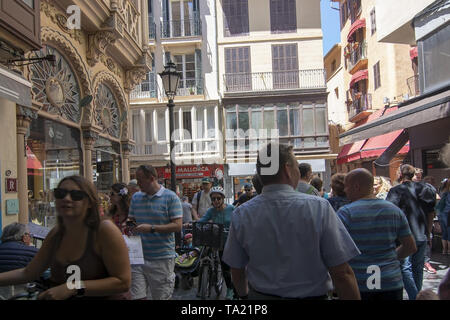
(126, 150)
(24, 116)
(89, 138)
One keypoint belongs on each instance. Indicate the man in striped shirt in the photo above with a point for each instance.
(158, 215)
(376, 226)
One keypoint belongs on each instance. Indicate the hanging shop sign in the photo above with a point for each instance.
(11, 185)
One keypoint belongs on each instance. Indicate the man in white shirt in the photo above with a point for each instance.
(201, 201)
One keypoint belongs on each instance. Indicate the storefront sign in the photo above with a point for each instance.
(190, 172)
(11, 185)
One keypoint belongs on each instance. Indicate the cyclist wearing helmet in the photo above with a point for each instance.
(246, 196)
(221, 213)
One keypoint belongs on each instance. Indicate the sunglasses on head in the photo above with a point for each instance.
(216, 198)
(76, 195)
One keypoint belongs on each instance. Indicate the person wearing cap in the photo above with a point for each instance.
(247, 195)
(201, 200)
(133, 187)
(220, 213)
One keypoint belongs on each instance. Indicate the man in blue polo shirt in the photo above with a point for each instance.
(376, 226)
(159, 215)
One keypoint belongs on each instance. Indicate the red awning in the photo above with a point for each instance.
(350, 152)
(372, 147)
(413, 53)
(375, 146)
(358, 76)
(358, 24)
(32, 161)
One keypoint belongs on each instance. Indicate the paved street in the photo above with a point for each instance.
(431, 281)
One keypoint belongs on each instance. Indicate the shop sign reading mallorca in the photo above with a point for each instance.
(191, 172)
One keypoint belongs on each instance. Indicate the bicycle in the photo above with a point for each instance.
(211, 237)
(32, 291)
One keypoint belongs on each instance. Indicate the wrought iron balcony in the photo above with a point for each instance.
(357, 55)
(190, 86)
(413, 86)
(147, 89)
(270, 81)
(181, 28)
(361, 106)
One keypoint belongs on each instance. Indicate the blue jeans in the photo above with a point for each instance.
(412, 270)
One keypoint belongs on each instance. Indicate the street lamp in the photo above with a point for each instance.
(170, 78)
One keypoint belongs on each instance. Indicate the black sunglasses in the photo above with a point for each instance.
(216, 198)
(76, 195)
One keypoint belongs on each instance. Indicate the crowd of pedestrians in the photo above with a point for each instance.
(288, 238)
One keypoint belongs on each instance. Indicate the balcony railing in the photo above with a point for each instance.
(266, 81)
(357, 54)
(181, 28)
(190, 86)
(147, 89)
(361, 104)
(413, 86)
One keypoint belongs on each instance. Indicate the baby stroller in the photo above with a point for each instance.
(187, 263)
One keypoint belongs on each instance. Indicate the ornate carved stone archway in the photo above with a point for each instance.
(105, 77)
(60, 42)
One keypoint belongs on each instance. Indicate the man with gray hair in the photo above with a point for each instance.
(288, 245)
(15, 249)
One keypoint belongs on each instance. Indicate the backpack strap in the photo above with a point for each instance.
(199, 195)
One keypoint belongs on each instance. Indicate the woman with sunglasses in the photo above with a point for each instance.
(221, 213)
(88, 257)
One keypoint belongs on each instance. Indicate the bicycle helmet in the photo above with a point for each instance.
(217, 189)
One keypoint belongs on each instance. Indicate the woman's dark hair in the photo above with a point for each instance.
(92, 219)
(124, 198)
(257, 183)
(337, 184)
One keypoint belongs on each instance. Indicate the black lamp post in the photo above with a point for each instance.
(170, 78)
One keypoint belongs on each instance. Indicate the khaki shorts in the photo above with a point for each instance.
(155, 280)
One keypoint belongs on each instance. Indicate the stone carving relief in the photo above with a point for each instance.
(59, 18)
(134, 77)
(97, 44)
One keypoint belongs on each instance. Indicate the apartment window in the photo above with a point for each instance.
(376, 75)
(148, 132)
(237, 68)
(344, 13)
(235, 14)
(283, 17)
(186, 66)
(373, 21)
(136, 132)
(182, 13)
(303, 126)
(285, 66)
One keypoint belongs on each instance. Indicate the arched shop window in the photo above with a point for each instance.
(55, 86)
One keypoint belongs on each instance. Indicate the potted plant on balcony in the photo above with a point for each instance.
(191, 91)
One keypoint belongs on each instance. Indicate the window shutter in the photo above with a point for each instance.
(167, 57)
(198, 71)
(165, 13)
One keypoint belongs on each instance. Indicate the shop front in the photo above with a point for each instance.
(53, 152)
(189, 178)
(106, 164)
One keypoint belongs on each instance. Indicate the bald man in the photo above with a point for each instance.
(375, 225)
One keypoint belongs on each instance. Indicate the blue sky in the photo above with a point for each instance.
(330, 25)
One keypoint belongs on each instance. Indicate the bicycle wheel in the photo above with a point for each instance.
(218, 281)
(204, 282)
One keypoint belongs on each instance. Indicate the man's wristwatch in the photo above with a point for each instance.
(152, 229)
